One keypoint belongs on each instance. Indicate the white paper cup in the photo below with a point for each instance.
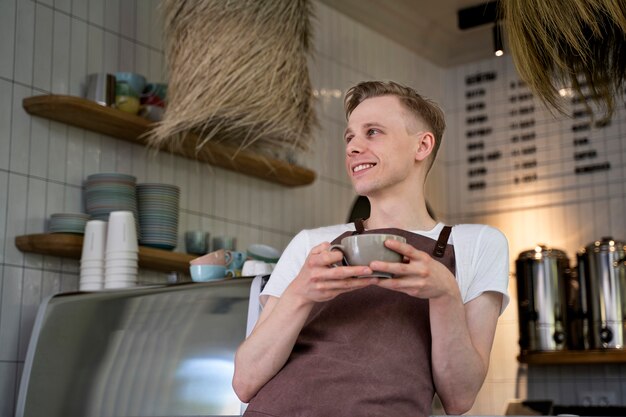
(113, 263)
(94, 240)
(120, 277)
(121, 233)
(90, 286)
(92, 278)
(119, 284)
(92, 263)
(91, 271)
(116, 270)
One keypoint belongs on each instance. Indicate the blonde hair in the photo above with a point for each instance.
(569, 43)
(422, 108)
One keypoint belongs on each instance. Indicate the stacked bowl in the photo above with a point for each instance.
(158, 215)
(92, 258)
(68, 223)
(109, 192)
(122, 252)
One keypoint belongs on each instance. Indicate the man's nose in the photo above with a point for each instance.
(355, 146)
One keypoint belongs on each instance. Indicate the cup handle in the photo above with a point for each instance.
(342, 249)
(228, 257)
(230, 273)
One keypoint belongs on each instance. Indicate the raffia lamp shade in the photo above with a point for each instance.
(238, 74)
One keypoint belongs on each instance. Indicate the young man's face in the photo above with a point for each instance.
(381, 141)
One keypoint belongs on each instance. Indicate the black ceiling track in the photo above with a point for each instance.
(478, 15)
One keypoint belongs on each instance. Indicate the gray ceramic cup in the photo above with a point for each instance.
(360, 250)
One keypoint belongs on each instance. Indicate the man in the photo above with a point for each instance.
(335, 341)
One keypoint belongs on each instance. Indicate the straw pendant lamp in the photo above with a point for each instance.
(238, 75)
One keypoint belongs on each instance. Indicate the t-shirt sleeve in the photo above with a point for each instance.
(288, 267)
(490, 263)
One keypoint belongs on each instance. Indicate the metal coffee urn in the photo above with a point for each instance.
(542, 275)
(602, 271)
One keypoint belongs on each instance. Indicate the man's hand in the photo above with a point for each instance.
(419, 276)
(319, 281)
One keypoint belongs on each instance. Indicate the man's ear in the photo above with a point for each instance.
(425, 147)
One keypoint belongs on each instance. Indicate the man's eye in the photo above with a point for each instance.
(371, 132)
(348, 139)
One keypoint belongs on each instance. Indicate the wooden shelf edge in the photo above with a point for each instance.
(89, 115)
(67, 245)
(574, 357)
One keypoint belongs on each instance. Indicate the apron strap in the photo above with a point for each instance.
(358, 225)
(442, 242)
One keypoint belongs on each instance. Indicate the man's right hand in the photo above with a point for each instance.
(320, 280)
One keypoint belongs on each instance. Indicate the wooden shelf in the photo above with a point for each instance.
(572, 357)
(70, 246)
(89, 115)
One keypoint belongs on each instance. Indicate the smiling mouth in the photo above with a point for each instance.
(362, 167)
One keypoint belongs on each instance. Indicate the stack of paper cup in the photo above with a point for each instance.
(121, 251)
(92, 258)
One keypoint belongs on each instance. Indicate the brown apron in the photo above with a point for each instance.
(363, 353)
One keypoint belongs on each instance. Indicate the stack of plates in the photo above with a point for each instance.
(158, 215)
(109, 192)
(68, 223)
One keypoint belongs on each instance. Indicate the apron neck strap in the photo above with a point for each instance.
(442, 242)
(358, 225)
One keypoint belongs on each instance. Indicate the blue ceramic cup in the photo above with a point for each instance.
(137, 82)
(235, 259)
(204, 273)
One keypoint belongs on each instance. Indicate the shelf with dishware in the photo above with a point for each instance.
(67, 245)
(89, 115)
(573, 357)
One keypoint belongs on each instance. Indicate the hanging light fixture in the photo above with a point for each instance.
(498, 46)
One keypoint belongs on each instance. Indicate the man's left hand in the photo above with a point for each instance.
(419, 276)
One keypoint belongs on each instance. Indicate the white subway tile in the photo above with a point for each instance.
(24, 42)
(10, 312)
(50, 283)
(69, 282)
(128, 10)
(140, 156)
(143, 21)
(112, 15)
(42, 71)
(16, 217)
(20, 131)
(127, 55)
(7, 37)
(79, 9)
(74, 162)
(95, 49)
(38, 159)
(156, 72)
(91, 154)
(6, 102)
(57, 151)
(96, 12)
(73, 200)
(63, 5)
(8, 387)
(108, 149)
(124, 154)
(142, 60)
(35, 216)
(4, 185)
(78, 57)
(31, 298)
(111, 57)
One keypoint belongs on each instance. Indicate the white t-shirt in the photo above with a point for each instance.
(481, 253)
